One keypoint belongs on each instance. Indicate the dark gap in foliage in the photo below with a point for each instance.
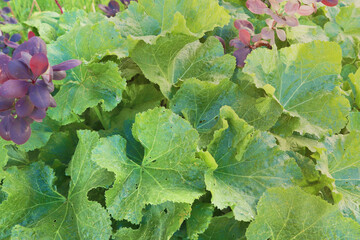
(97, 195)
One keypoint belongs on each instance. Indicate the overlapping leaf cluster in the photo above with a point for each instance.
(158, 135)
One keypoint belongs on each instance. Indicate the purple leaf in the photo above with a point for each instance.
(4, 71)
(39, 63)
(19, 70)
(59, 75)
(244, 37)
(6, 103)
(33, 46)
(237, 43)
(330, 3)
(291, 7)
(69, 64)
(52, 102)
(38, 114)
(5, 125)
(24, 107)
(268, 33)
(20, 131)
(291, 21)
(39, 95)
(14, 89)
(305, 10)
(281, 34)
(240, 24)
(114, 6)
(241, 55)
(256, 6)
(15, 38)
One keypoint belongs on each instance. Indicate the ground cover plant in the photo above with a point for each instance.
(180, 119)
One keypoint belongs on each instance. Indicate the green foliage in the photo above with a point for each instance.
(158, 135)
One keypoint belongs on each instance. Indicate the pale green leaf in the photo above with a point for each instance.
(354, 121)
(147, 19)
(341, 162)
(292, 214)
(34, 210)
(168, 171)
(305, 77)
(249, 162)
(201, 215)
(159, 222)
(89, 42)
(92, 84)
(200, 102)
(175, 58)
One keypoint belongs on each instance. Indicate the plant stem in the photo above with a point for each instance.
(99, 115)
(58, 4)
(12, 12)
(31, 10)
(37, 6)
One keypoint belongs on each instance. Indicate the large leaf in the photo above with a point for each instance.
(200, 102)
(201, 215)
(225, 227)
(344, 29)
(159, 222)
(341, 161)
(293, 214)
(92, 84)
(168, 171)
(249, 162)
(34, 210)
(173, 59)
(148, 18)
(304, 77)
(89, 42)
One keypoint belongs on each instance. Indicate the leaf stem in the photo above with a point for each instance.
(37, 6)
(58, 4)
(99, 115)
(11, 10)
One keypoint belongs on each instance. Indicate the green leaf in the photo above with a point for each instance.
(201, 215)
(249, 162)
(147, 19)
(349, 19)
(16, 157)
(305, 33)
(225, 227)
(200, 102)
(341, 162)
(69, 19)
(90, 42)
(159, 222)
(344, 29)
(305, 77)
(45, 23)
(354, 121)
(173, 59)
(40, 134)
(3, 154)
(355, 81)
(92, 84)
(169, 170)
(137, 98)
(285, 214)
(34, 210)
